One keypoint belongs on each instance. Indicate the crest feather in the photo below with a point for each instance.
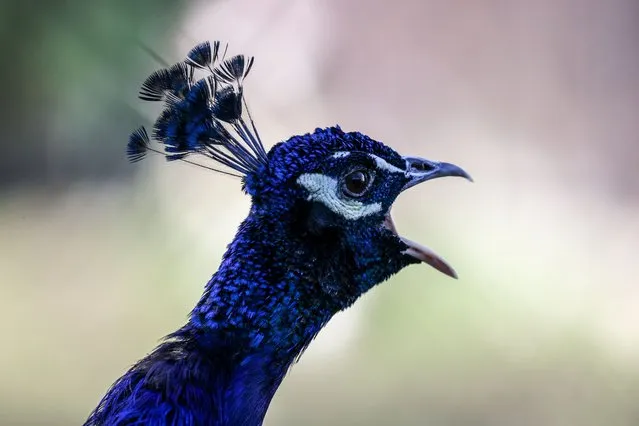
(206, 116)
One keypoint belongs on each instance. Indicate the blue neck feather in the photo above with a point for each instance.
(292, 265)
(261, 310)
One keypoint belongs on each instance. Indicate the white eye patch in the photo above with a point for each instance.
(379, 162)
(325, 189)
(385, 165)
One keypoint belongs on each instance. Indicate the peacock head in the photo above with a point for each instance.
(333, 187)
(334, 182)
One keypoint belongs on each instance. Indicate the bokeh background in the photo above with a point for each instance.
(539, 100)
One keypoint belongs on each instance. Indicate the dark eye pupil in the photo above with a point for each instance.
(356, 182)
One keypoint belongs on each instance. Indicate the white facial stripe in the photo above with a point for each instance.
(341, 154)
(384, 165)
(324, 189)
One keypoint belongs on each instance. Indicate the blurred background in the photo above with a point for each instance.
(538, 100)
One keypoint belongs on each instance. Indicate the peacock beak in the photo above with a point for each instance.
(420, 170)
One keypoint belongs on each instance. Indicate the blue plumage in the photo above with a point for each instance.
(318, 235)
(204, 55)
(174, 81)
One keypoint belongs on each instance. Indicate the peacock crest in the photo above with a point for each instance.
(207, 116)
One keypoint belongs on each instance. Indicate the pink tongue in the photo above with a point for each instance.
(421, 252)
(426, 255)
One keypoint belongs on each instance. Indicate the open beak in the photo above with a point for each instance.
(420, 170)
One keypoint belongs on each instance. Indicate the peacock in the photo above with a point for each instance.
(319, 234)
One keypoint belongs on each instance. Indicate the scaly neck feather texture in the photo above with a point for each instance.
(261, 309)
(278, 285)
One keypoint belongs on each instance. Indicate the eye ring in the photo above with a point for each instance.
(357, 182)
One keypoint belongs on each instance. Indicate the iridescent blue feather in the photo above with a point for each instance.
(138, 145)
(205, 116)
(203, 55)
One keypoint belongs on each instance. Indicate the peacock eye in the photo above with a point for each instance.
(356, 183)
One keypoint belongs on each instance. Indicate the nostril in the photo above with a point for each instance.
(421, 166)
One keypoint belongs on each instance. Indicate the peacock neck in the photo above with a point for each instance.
(255, 316)
(260, 290)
